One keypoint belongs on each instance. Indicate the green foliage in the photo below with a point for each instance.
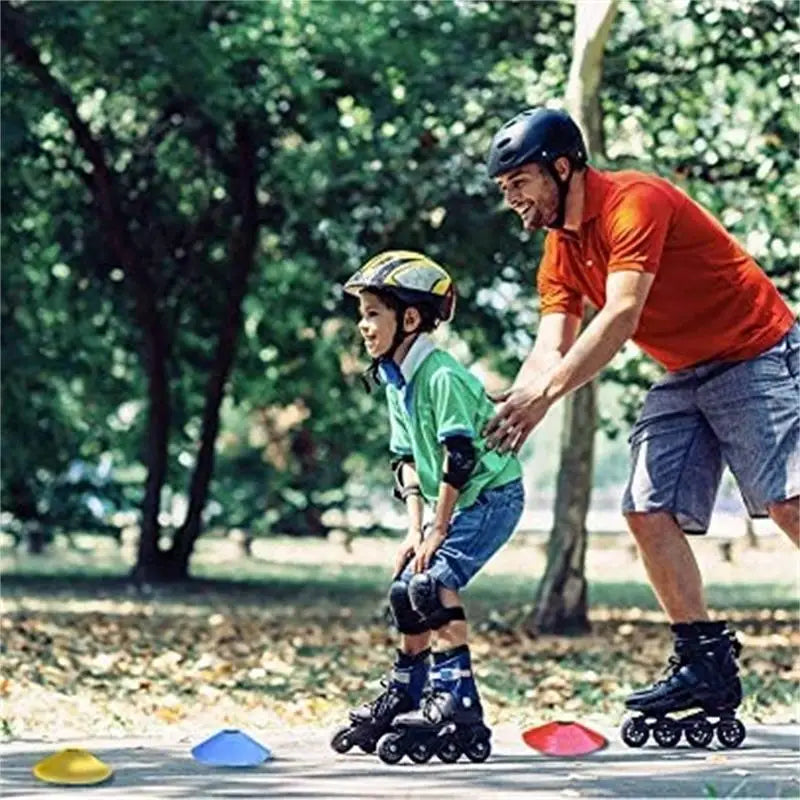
(705, 94)
(370, 121)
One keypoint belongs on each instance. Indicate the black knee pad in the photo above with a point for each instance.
(423, 592)
(406, 618)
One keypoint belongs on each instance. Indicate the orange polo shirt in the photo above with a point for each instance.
(709, 299)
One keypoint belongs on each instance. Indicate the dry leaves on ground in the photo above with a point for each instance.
(138, 667)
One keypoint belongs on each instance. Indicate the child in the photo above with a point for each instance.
(437, 410)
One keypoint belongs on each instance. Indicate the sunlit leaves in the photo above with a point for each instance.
(372, 121)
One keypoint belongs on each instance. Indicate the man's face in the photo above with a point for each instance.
(377, 324)
(530, 191)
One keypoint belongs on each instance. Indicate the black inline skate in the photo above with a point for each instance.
(449, 722)
(403, 692)
(703, 675)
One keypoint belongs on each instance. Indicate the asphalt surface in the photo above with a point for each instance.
(303, 766)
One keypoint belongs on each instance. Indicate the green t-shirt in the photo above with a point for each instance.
(442, 398)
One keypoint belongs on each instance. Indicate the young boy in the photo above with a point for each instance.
(437, 410)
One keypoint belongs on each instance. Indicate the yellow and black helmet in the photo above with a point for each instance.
(412, 277)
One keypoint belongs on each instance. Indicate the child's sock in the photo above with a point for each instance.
(411, 673)
(452, 673)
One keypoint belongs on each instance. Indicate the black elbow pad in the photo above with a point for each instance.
(461, 460)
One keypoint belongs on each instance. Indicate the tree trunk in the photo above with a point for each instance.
(304, 450)
(560, 605)
(151, 563)
(750, 533)
(242, 258)
(154, 339)
(561, 600)
(592, 27)
(37, 538)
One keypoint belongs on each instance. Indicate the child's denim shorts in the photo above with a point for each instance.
(475, 535)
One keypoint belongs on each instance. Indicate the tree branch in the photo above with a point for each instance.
(244, 243)
(154, 336)
(13, 37)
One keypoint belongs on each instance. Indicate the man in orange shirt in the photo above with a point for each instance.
(662, 272)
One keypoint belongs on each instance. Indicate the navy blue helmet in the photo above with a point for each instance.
(536, 135)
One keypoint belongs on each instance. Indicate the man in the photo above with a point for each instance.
(662, 272)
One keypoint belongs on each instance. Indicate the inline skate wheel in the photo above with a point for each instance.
(368, 746)
(420, 752)
(730, 732)
(449, 750)
(478, 750)
(342, 740)
(390, 748)
(635, 732)
(699, 733)
(666, 733)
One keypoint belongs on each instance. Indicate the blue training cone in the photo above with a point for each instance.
(230, 748)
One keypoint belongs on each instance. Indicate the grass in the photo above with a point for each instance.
(358, 585)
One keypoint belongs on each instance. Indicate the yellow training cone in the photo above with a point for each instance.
(72, 766)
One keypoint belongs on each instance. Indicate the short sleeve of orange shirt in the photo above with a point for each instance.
(636, 236)
(556, 293)
(709, 300)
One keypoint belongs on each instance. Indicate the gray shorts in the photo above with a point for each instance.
(745, 414)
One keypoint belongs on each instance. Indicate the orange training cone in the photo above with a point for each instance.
(72, 766)
(564, 739)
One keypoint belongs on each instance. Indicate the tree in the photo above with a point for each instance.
(231, 383)
(561, 603)
(707, 112)
(121, 210)
(189, 174)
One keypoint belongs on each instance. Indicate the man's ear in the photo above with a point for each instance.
(562, 165)
(411, 320)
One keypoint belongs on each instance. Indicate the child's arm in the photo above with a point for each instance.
(407, 489)
(459, 461)
(445, 503)
(414, 502)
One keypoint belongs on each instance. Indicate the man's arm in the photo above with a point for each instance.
(615, 323)
(555, 336)
(527, 403)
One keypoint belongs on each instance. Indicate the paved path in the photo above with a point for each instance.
(304, 767)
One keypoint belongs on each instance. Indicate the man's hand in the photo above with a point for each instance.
(521, 409)
(428, 547)
(407, 548)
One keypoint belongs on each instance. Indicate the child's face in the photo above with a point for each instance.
(377, 324)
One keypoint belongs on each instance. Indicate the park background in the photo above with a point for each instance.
(195, 488)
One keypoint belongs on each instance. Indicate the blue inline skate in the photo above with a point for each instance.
(449, 722)
(403, 692)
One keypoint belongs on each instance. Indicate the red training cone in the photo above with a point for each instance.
(564, 739)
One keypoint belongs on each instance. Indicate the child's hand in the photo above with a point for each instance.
(426, 550)
(407, 549)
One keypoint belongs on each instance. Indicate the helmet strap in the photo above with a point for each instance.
(563, 190)
(370, 376)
